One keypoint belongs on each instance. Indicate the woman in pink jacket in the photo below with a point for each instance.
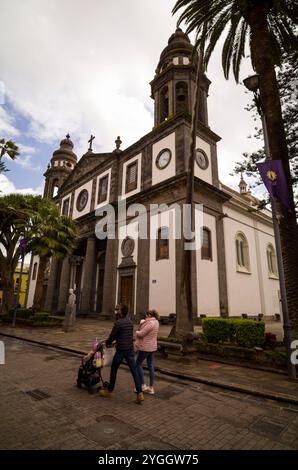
(147, 345)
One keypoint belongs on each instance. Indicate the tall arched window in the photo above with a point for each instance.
(164, 103)
(162, 243)
(271, 261)
(242, 253)
(181, 97)
(34, 271)
(206, 250)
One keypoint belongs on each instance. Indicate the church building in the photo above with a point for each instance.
(235, 270)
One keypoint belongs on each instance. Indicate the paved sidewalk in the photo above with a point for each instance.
(256, 382)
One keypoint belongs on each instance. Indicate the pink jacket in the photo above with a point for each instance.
(147, 335)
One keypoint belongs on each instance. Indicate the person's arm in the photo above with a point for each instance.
(113, 334)
(146, 328)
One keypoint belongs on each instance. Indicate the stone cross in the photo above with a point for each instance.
(92, 137)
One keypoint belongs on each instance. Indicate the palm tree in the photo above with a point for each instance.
(39, 221)
(52, 235)
(184, 320)
(270, 27)
(16, 211)
(7, 148)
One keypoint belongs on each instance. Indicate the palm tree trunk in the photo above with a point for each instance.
(38, 295)
(184, 318)
(261, 54)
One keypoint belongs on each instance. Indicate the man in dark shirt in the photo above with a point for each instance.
(122, 333)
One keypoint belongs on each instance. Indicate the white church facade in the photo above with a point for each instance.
(235, 270)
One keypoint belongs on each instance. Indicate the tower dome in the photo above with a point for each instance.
(62, 163)
(179, 45)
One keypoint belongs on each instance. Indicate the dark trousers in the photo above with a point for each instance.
(149, 357)
(130, 359)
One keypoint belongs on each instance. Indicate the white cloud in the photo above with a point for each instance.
(8, 187)
(85, 68)
(7, 128)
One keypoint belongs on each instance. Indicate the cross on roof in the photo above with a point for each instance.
(92, 137)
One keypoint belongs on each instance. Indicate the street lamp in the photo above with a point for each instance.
(252, 84)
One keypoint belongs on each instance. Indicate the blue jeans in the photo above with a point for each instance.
(150, 363)
(130, 359)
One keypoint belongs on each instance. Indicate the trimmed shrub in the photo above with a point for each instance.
(249, 333)
(21, 313)
(40, 317)
(215, 330)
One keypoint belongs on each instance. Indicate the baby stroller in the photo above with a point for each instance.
(89, 374)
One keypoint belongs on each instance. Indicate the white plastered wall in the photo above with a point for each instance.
(32, 282)
(207, 272)
(158, 175)
(249, 293)
(102, 175)
(162, 278)
(75, 212)
(137, 158)
(205, 175)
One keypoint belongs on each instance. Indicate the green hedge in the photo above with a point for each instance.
(246, 333)
(40, 317)
(216, 330)
(21, 313)
(250, 333)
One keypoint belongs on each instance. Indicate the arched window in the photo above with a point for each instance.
(181, 97)
(162, 243)
(34, 272)
(242, 253)
(206, 250)
(271, 261)
(164, 103)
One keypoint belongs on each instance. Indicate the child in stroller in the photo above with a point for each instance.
(89, 373)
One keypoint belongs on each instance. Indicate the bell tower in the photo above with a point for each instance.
(61, 165)
(173, 86)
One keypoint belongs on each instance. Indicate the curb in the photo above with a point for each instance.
(168, 372)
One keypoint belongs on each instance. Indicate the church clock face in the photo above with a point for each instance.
(202, 159)
(163, 159)
(82, 200)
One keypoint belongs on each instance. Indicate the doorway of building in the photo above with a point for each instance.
(126, 292)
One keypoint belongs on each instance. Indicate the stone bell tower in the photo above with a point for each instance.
(173, 86)
(62, 163)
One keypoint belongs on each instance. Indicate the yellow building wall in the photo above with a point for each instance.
(24, 285)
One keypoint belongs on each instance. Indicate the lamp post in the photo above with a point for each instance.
(252, 84)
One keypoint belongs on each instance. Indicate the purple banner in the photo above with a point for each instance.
(273, 176)
(23, 246)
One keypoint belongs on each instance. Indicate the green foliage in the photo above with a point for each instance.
(246, 333)
(21, 313)
(40, 317)
(250, 333)
(286, 77)
(9, 148)
(216, 330)
(234, 17)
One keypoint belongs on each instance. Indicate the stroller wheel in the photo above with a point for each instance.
(79, 385)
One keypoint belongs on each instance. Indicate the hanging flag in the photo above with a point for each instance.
(273, 176)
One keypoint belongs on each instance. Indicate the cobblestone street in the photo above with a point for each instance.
(55, 414)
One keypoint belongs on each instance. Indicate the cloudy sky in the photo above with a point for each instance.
(84, 66)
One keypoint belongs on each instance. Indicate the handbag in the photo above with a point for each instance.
(108, 354)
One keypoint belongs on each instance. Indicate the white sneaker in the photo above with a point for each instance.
(150, 390)
(144, 388)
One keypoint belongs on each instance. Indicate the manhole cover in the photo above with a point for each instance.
(108, 430)
(169, 392)
(37, 394)
(268, 428)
